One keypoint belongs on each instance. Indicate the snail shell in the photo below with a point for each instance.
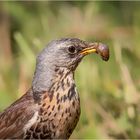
(103, 50)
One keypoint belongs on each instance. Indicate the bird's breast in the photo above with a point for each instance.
(59, 111)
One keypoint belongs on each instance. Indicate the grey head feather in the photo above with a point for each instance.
(54, 54)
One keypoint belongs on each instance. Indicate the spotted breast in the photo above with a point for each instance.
(59, 109)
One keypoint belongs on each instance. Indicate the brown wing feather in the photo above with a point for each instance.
(14, 118)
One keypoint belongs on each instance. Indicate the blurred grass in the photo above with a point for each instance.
(109, 91)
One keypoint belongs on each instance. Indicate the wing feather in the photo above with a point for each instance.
(14, 118)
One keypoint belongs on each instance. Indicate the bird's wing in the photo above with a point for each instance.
(14, 118)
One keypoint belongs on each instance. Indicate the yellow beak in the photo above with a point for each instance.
(88, 51)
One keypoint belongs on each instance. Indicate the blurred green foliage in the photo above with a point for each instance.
(110, 92)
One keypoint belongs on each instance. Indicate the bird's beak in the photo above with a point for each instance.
(98, 48)
(88, 50)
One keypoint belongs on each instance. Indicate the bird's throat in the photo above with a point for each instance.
(52, 80)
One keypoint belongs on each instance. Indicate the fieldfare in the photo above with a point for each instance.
(51, 107)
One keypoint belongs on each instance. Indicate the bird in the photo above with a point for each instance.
(50, 109)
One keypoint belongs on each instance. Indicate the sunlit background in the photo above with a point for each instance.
(109, 91)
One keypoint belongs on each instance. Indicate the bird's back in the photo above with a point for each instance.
(14, 118)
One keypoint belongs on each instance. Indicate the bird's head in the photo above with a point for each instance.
(64, 54)
(68, 52)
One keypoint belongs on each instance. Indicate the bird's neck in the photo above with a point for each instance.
(46, 79)
(63, 85)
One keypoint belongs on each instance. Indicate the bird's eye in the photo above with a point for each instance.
(72, 49)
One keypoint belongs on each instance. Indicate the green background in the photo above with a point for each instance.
(109, 91)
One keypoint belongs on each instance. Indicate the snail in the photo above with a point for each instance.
(103, 51)
(98, 48)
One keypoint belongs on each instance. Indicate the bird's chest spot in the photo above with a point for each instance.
(60, 114)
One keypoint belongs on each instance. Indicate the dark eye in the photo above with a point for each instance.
(72, 49)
